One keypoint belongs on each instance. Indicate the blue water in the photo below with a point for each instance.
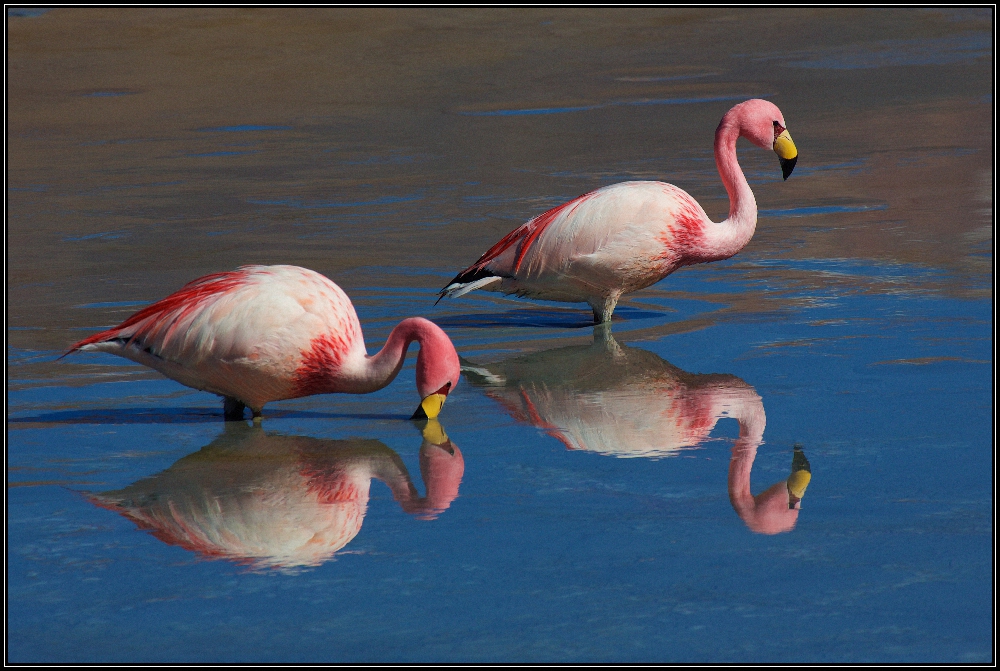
(547, 553)
(243, 128)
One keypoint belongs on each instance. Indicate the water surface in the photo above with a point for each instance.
(588, 495)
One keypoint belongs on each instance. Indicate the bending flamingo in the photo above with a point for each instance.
(266, 333)
(627, 236)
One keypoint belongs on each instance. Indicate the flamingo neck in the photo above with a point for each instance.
(382, 368)
(436, 351)
(732, 235)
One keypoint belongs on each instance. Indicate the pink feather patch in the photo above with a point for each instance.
(175, 306)
(526, 234)
(686, 236)
(317, 370)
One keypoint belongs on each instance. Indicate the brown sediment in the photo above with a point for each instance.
(371, 149)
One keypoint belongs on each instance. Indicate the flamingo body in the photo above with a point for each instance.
(627, 236)
(266, 333)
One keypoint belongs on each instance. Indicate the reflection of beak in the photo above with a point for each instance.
(787, 153)
(434, 433)
(799, 479)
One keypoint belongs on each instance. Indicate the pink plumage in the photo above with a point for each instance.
(627, 236)
(266, 333)
(275, 501)
(622, 401)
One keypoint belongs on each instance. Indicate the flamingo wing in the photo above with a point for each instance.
(231, 332)
(504, 259)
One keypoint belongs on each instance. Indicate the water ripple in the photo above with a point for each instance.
(820, 209)
(615, 103)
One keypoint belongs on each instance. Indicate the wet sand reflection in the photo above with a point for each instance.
(628, 402)
(274, 501)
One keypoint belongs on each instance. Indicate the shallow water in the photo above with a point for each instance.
(585, 496)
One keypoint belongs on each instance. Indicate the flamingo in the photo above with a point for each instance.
(627, 236)
(275, 501)
(266, 333)
(624, 401)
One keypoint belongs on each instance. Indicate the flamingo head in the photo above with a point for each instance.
(762, 123)
(437, 369)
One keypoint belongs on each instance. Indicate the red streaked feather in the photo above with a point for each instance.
(332, 484)
(684, 238)
(526, 234)
(317, 372)
(178, 305)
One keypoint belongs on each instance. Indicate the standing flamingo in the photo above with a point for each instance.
(266, 333)
(627, 236)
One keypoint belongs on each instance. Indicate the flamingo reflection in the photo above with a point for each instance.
(628, 402)
(282, 501)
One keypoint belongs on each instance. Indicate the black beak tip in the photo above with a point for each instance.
(419, 414)
(787, 165)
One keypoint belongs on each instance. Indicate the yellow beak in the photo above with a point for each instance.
(787, 153)
(430, 407)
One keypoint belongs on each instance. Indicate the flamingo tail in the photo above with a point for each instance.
(460, 288)
(90, 343)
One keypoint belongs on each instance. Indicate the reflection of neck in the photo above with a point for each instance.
(441, 467)
(768, 512)
(744, 453)
(751, 417)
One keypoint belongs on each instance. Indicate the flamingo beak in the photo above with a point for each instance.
(787, 153)
(430, 407)
(799, 479)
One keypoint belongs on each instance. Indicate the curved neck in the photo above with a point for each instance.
(436, 351)
(769, 512)
(382, 368)
(735, 232)
(752, 421)
(441, 466)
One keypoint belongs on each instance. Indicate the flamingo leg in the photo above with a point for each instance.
(233, 409)
(603, 308)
